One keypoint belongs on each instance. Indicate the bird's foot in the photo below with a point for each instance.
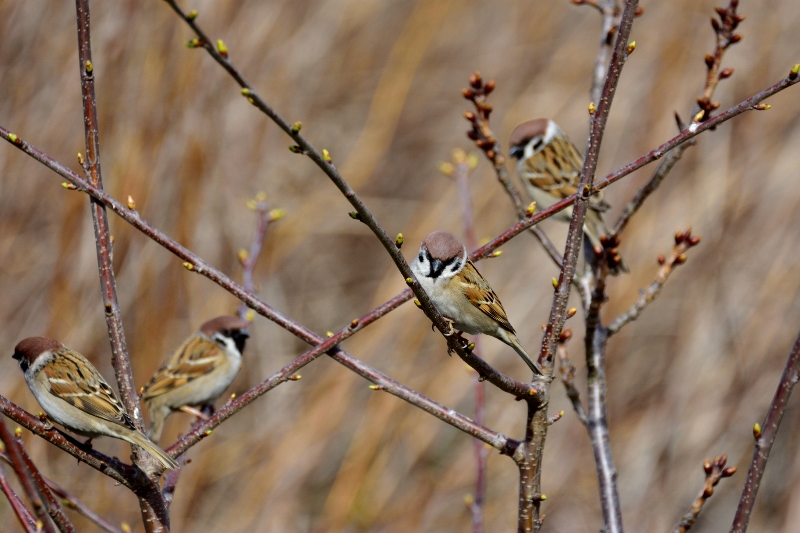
(193, 411)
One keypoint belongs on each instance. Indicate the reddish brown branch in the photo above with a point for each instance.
(71, 502)
(715, 471)
(725, 37)
(765, 437)
(26, 478)
(153, 520)
(558, 312)
(108, 284)
(23, 514)
(683, 241)
(54, 508)
(567, 372)
(127, 475)
(264, 217)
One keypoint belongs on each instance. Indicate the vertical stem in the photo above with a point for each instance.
(154, 521)
(476, 507)
(108, 285)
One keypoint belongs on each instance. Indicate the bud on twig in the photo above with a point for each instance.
(131, 203)
(531, 208)
(725, 73)
(222, 49)
(592, 108)
(398, 242)
(326, 156)
(631, 47)
(191, 15)
(757, 430)
(794, 72)
(296, 127)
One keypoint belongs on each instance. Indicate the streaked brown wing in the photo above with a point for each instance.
(556, 168)
(481, 295)
(73, 379)
(197, 356)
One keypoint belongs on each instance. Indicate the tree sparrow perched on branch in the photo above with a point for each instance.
(198, 372)
(460, 293)
(550, 167)
(73, 393)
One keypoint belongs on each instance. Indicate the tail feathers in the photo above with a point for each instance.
(161, 456)
(514, 343)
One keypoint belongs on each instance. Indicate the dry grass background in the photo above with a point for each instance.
(378, 84)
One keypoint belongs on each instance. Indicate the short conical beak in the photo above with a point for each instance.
(436, 266)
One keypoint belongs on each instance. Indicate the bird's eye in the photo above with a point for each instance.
(421, 258)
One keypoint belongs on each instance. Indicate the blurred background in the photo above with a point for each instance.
(378, 84)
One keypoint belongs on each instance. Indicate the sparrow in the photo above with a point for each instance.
(461, 294)
(73, 393)
(549, 166)
(198, 372)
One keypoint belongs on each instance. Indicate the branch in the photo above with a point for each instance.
(537, 424)
(23, 514)
(264, 217)
(715, 471)
(127, 475)
(567, 372)
(32, 489)
(43, 487)
(725, 37)
(765, 438)
(195, 264)
(154, 521)
(108, 285)
(71, 502)
(683, 241)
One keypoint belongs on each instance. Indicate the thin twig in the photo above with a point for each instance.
(715, 471)
(25, 476)
(264, 217)
(725, 37)
(683, 241)
(71, 502)
(765, 436)
(609, 10)
(477, 503)
(597, 411)
(43, 487)
(567, 371)
(24, 515)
